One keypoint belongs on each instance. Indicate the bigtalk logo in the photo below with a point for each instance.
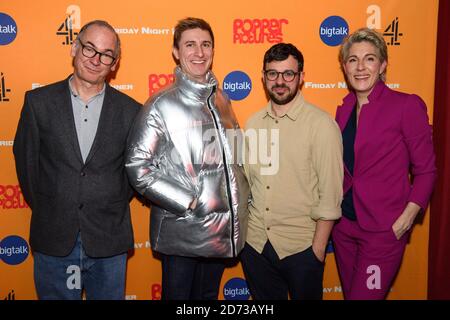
(333, 30)
(237, 85)
(8, 29)
(236, 289)
(13, 250)
(330, 247)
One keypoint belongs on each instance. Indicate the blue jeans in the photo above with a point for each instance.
(64, 278)
(185, 278)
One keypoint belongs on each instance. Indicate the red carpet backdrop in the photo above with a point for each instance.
(35, 39)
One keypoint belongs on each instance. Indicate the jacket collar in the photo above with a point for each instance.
(378, 89)
(349, 103)
(195, 90)
(62, 99)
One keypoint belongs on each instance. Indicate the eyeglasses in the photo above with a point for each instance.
(90, 52)
(287, 75)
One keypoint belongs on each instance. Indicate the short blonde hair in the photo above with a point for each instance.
(368, 35)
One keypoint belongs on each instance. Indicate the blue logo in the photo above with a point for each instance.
(13, 250)
(237, 85)
(333, 30)
(8, 29)
(236, 289)
(330, 248)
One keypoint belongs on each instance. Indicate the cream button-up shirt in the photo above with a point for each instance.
(294, 165)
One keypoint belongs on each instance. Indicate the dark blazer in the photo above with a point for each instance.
(66, 195)
(394, 156)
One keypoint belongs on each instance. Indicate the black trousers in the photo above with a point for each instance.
(269, 278)
(186, 278)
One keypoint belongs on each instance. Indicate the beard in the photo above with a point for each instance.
(281, 100)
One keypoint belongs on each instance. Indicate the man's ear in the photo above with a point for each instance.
(73, 48)
(175, 53)
(114, 65)
(301, 77)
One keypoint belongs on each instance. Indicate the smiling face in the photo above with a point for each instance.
(195, 53)
(91, 70)
(363, 67)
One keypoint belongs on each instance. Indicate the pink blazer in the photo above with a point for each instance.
(394, 156)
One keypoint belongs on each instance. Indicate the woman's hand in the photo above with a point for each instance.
(406, 220)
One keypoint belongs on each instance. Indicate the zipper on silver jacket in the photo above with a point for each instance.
(227, 177)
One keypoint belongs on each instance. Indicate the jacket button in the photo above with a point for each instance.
(268, 228)
(81, 206)
(82, 173)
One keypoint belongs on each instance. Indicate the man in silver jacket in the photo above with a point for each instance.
(181, 156)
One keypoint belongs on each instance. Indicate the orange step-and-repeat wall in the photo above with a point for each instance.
(35, 39)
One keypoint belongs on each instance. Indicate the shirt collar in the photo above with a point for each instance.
(75, 94)
(293, 112)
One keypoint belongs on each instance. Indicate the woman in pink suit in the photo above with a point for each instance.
(389, 169)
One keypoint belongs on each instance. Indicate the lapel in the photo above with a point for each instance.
(63, 103)
(104, 124)
(345, 112)
(366, 122)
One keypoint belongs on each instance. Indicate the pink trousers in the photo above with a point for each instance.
(367, 261)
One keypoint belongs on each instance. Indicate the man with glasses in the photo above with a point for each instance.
(69, 151)
(293, 208)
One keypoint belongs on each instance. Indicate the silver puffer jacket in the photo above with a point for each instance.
(179, 150)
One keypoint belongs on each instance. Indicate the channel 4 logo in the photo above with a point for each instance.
(4, 90)
(392, 32)
(333, 30)
(73, 21)
(8, 29)
(237, 85)
(11, 296)
(13, 250)
(236, 289)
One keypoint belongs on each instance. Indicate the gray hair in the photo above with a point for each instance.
(102, 23)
